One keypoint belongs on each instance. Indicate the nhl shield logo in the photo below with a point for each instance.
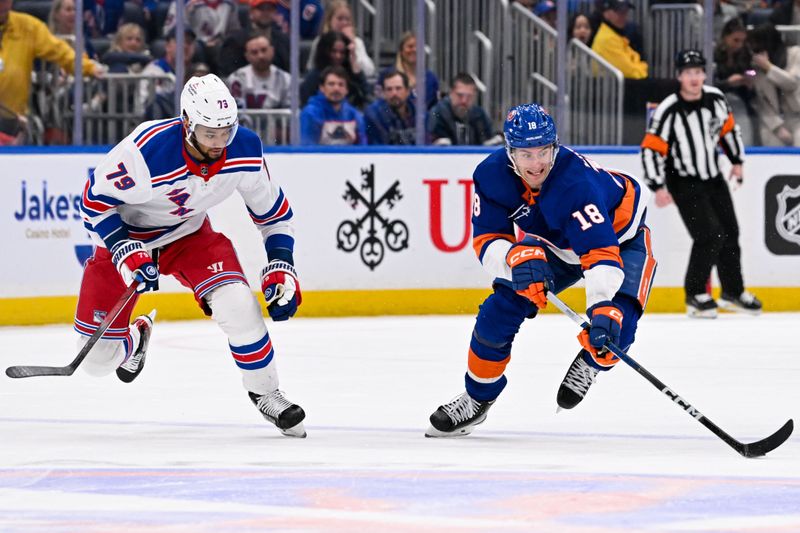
(787, 220)
(204, 170)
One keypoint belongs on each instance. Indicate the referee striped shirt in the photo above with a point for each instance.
(683, 138)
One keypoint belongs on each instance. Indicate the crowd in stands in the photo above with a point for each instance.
(348, 97)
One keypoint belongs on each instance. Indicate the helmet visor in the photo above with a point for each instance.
(215, 138)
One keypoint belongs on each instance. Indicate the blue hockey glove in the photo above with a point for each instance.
(281, 290)
(135, 264)
(606, 326)
(531, 276)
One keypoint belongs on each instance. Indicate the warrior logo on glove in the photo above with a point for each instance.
(134, 264)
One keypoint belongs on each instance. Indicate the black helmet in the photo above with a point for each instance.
(689, 58)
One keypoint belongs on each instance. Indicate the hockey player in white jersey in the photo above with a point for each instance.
(145, 207)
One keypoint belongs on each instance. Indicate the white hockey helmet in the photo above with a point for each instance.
(206, 101)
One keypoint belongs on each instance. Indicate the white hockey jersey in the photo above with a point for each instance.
(150, 189)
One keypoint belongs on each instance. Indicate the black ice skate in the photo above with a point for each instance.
(288, 417)
(701, 306)
(744, 303)
(458, 417)
(576, 383)
(132, 367)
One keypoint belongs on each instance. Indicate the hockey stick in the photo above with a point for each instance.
(29, 371)
(753, 449)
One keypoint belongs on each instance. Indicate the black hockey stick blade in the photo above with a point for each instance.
(764, 446)
(25, 371)
(755, 449)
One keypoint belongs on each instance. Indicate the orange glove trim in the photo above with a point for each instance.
(536, 294)
(526, 253)
(604, 358)
(611, 312)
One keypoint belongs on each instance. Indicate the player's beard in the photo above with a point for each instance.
(205, 151)
(208, 157)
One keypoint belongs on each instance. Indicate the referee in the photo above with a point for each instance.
(681, 164)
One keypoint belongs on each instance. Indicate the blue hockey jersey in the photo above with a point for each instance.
(582, 212)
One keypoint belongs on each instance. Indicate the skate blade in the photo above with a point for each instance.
(733, 308)
(432, 432)
(298, 431)
(693, 312)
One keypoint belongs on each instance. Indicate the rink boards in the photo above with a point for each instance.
(378, 232)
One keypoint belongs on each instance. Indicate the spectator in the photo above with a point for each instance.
(392, 118)
(406, 62)
(260, 85)
(612, 45)
(23, 39)
(158, 99)
(61, 22)
(777, 86)
(128, 52)
(457, 120)
(787, 13)
(580, 28)
(104, 16)
(723, 12)
(311, 13)
(339, 17)
(211, 20)
(262, 20)
(735, 77)
(546, 10)
(332, 50)
(680, 156)
(329, 118)
(631, 31)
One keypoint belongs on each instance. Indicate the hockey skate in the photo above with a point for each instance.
(132, 367)
(458, 417)
(744, 303)
(288, 417)
(701, 306)
(576, 383)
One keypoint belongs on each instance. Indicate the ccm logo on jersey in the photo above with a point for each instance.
(525, 254)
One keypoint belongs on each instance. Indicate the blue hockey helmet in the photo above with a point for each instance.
(529, 126)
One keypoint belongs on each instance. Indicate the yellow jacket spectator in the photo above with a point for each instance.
(23, 39)
(613, 46)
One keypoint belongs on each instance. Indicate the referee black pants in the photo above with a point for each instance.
(707, 211)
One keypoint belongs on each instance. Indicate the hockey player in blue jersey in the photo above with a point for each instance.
(579, 221)
(145, 207)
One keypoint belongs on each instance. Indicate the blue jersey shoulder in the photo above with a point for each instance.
(570, 170)
(246, 143)
(496, 180)
(161, 147)
(572, 179)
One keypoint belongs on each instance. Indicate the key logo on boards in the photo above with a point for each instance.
(379, 229)
(782, 215)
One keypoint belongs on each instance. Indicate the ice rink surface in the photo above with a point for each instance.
(182, 448)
